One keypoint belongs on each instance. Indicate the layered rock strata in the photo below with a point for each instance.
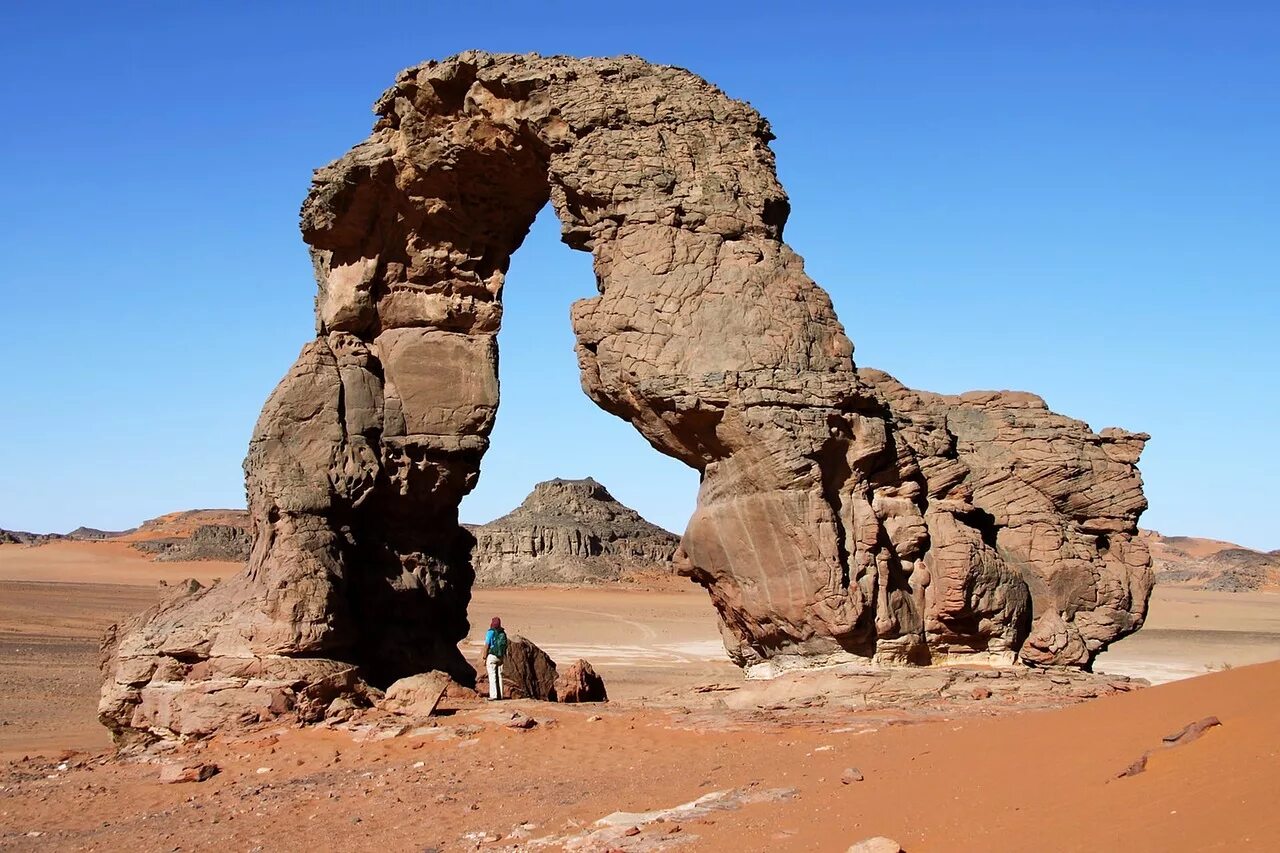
(568, 531)
(839, 514)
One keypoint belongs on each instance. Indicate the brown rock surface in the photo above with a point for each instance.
(178, 773)
(184, 523)
(879, 844)
(568, 531)
(840, 515)
(578, 682)
(417, 694)
(528, 672)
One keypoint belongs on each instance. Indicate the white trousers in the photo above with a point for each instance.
(494, 665)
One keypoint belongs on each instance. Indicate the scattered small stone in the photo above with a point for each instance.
(521, 721)
(632, 830)
(1135, 768)
(980, 692)
(850, 775)
(175, 773)
(594, 718)
(1192, 731)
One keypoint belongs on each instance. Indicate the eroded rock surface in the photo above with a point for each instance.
(578, 682)
(839, 515)
(568, 531)
(528, 672)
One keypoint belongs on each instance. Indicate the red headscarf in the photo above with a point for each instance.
(495, 622)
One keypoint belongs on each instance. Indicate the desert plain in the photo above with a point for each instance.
(685, 754)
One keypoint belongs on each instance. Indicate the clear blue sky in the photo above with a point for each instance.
(1076, 198)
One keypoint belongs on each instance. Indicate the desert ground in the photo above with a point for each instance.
(770, 762)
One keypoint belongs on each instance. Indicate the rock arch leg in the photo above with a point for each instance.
(840, 515)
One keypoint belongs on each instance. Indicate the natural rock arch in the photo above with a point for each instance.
(839, 514)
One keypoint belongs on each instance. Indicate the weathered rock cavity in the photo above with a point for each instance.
(839, 513)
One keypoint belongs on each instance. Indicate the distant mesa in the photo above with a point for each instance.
(190, 535)
(1209, 564)
(80, 534)
(197, 534)
(569, 531)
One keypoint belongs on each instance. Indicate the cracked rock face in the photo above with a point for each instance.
(839, 514)
(568, 531)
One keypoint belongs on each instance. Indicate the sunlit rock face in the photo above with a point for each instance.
(840, 515)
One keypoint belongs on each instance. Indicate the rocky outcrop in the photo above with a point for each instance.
(839, 515)
(528, 672)
(1211, 564)
(207, 542)
(417, 695)
(1031, 520)
(93, 534)
(22, 537)
(568, 531)
(578, 682)
(182, 524)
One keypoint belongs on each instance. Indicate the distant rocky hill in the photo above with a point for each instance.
(197, 534)
(80, 534)
(568, 531)
(1211, 564)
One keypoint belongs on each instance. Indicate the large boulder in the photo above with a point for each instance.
(568, 531)
(417, 695)
(528, 672)
(840, 515)
(578, 682)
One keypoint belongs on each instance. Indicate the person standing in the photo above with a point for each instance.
(495, 649)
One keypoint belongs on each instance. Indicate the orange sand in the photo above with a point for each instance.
(1010, 781)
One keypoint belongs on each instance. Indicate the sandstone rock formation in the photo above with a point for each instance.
(417, 695)
(185, 522)
(578, 682)
(840, 515)
(568, 531)
(528, 672)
